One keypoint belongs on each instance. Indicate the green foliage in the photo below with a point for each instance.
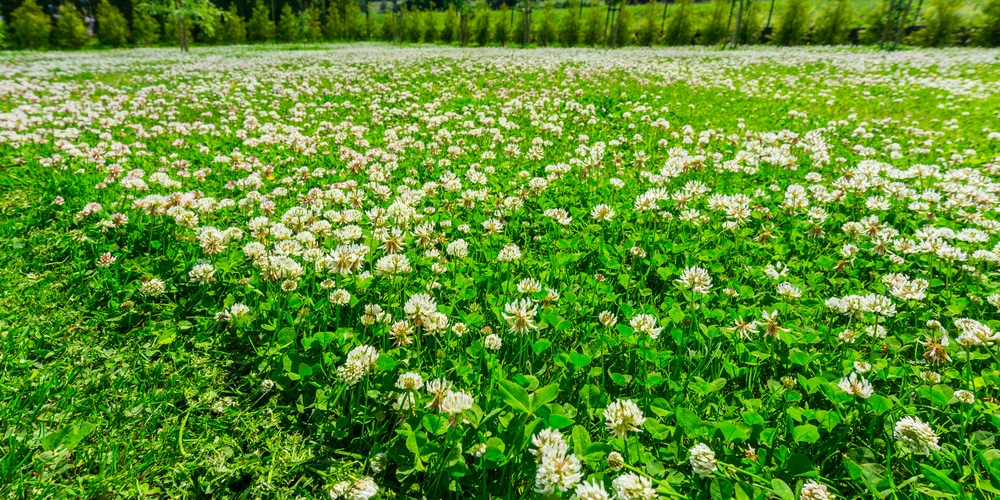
(648, 30)
(112, 28)
(146, 30)
(752, 24)
(210, 30)
(482, 25)
(593, 27)
(234, 30)
(501, 27)
(312, 30)
(260, 27)
(679, 26)
(715, 31)
(523, 31)
(834, 23)
(874, 27)
(569, 24)
(69, 31)
(545, 30)
(621, 31)
(793, 23)
(449, 26)
(173, 34)
(333, 25)
(30, 26)
(941, 23)
(289, 28)
(3, 34)
(988, 32)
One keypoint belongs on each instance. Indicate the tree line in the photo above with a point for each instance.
(569, 23)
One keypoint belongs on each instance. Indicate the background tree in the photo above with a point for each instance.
(647, 32)
(751, 25)
(30, 26)
(69, 31)
(593, 26)
(312, 31)
(289, 29)
(622, 28)
(182, 14)
(234, 30)
(145, 28)
(988, 34)
(679, 28)
(3, 34)
(333, 24)
(449, 25)
(874, 25)
(481, 30)
(213, 34)
(112, 28)
(714, 31)
(793, 23)
(501, 28)
(569, 25)
(834, 23)
(545, 32)
(260, 28)
(941, 23)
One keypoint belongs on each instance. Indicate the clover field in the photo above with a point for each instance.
(362, 271)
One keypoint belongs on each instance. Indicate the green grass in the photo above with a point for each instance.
(108, 393)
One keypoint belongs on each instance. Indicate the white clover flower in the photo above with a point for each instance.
(340, 297)
(646, 323)
(456, 402)
(916, 436)
(632, 486)
(410, 381)
(359, 362)
(202, 274)
(602, 212)
(965, 397)
(812, 490)
(856, 386)
(702, 460)
(509, 253)
(591, 491)
(607, 319)
(493, 342)
(153, 287)
(623, 416)
(695, 279)
(520, 314)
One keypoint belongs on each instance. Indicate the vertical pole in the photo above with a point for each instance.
(902, 24)
(769, 12)
(736, 30)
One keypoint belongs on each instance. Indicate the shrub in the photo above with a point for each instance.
(989, 27)
(312, 30)
(145, 28)
(834, 23)
(569, 25)
(30, 26)
(648, 31)
(289, 29)
(793, 23)
(234, 30)
(545, 32)
(112, 28)
(523, 32)
(874, 24)
(171, 32)
(621, 30)
(715, 31)
(751, 26)
(3, 34)
(449, 26)
(69, 31)
(593, 26)
(430, 28)
(501, 29)
(481, 29)
(260, 28)
(941, 23)
(678, 30)
(210, 29)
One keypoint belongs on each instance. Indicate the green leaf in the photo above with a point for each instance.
(721, 489)
(579, 360)
(687, 419)
(782, 490)
(806, 433)
(541, 346)
(940, 478)
(68, 437)
(515, 396)
(879, 404)
(543, 396)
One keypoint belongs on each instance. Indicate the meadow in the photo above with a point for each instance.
(367, 271)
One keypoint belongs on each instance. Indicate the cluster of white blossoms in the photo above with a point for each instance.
(623, 416)
(916, 436)
(632, 486)
(647, 324)
(362, 489)
(702, 460)
(855, 305)
(360, 361)
(856, 386)
(695, 279)
(520, 315)
(558, 469)
(153, 287)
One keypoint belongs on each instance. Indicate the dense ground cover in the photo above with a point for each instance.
(434, 272)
